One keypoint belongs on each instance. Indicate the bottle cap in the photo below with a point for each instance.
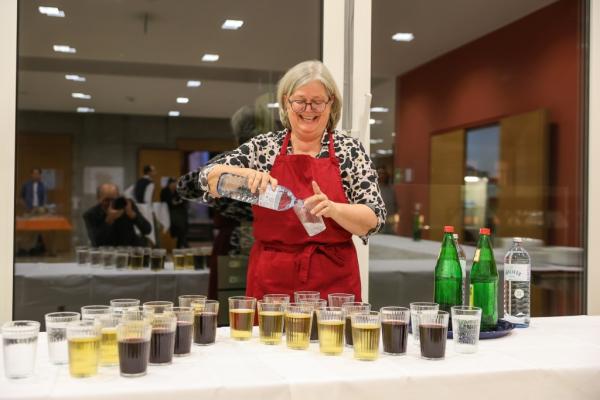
(448, 229)
(484, 231)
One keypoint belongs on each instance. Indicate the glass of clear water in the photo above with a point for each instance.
(416, 310)
(95, 311)
(95, 257)
(82, 255)
(466, 321)
(56, 330)
(19, 343)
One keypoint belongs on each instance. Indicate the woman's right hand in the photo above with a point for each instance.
(256, 180)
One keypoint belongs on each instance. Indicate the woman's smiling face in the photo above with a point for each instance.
(309, 123)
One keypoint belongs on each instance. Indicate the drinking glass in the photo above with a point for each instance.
(317, 305)
(108, 257)
(466, 321)
(122, 259)
(270, 321)
(306, 295)
(133, 336)
(137, 258)
(349, 309)
(183, 331)
(298, 319)
(188, 259)
(185, 300)
(146, 258)
(158, 306)
(119, 306)
(416, 310)
(82, 255)
(56, 332)
(241, 316)
(276, 298)
(200, 258)
(206, 313)
(337, 299)
(94, 311)
(433, 330)
(84, 347)
(179, 258)
(109, 352)
(162, 339)
(331, 330)
(366, 327)
(19, 345)
(95, 257)
(157, 259)
(394, 329)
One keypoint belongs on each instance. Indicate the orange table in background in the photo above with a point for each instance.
(43, 223)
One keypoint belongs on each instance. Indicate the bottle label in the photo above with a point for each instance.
(517, 272)
(268, 199)
(476, 258)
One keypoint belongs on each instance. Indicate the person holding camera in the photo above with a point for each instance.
(112, 221)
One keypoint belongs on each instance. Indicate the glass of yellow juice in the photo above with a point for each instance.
(331, 330)
(241, 316)
(270, 321)
(84, 347)
(298, 320)
(366, 330)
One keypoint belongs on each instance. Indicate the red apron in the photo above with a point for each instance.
(284, 259)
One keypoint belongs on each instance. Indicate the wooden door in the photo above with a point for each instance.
(523, 175)
(446, 174)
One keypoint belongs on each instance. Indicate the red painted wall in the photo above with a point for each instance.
(532, 63)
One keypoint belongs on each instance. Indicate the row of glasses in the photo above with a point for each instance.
(121, 257)
(191, 258)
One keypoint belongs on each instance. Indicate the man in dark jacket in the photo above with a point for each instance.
(111, 222)
(33, 192)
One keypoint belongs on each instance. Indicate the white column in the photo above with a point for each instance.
(593, 221)
(8, 83)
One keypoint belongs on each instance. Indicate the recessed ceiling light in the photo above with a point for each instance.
(63, 48)
(232, 24)
(374, 121)
(380, 109)
(210, 57)
(76, 78)
(174, 113)
(376, 141)
(472, 179)
(194, 83)
(85, 110)
(51, 11)
(182, 100)
(81, 96)
(403, 37)
(384, 151)
(272, 105)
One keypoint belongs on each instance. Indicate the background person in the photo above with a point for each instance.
(33, 192)
(331, 171)
(112, 221)
(178, 213)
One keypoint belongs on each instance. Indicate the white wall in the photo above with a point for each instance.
(593, 250)
(8, 82)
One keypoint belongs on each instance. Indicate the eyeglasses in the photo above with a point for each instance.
(316, 106)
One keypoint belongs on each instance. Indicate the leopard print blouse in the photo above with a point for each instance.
(359, 177)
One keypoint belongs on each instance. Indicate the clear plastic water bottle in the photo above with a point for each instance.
(517, 277)
(236, 187)
(462, 258)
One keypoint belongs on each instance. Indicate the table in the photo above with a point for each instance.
(43, 223)
(556, 358)
(40, 288)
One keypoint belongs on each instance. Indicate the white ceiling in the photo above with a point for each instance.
(138, 54)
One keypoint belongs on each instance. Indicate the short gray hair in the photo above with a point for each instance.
(301, 74)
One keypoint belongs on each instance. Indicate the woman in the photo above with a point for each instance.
(331, 171)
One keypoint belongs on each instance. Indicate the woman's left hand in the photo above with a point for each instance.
(319, 204)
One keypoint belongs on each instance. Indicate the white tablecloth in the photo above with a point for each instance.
(41, 288)
(556, 358)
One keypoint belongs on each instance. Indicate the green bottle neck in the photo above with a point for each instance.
(448, 251)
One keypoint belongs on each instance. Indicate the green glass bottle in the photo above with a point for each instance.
(483, 290)
(448, 274)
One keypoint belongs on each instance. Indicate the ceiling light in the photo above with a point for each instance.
(63, 48)
(210, 57)
(81, 96)
(471, 179)
(384, 151)
(374, 121)
(51, 11)
(379, 109)
(376, 141)
(85, 110)
(174, 113)
(183, 100)
(194, 83)
(272, 105)
(232, 24)
(76, 78)
(403, 37)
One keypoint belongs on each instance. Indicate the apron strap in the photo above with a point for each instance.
(285, 144)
